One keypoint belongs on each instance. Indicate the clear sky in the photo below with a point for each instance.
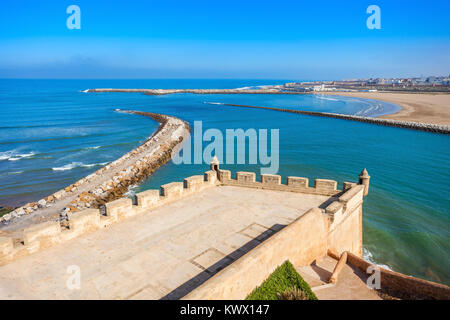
(278, 39)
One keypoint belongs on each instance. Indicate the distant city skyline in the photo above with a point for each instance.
(296, 40)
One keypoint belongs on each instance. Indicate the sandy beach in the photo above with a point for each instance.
(419, 107)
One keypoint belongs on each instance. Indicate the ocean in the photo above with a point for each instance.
(52, 134)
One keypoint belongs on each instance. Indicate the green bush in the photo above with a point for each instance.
(283, 279)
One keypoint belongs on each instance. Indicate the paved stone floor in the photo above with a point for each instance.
(164, 253)
(351, 284)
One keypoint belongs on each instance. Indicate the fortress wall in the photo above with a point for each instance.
(403, 286)
(337, 228)
(323, 187)
(301, 242)
(49, 233)
(345, 232)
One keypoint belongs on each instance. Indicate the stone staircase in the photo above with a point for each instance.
(351, 284)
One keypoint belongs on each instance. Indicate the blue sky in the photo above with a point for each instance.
(223, 39)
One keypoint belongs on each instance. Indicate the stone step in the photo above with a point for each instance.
(351, 284)
(319, 272)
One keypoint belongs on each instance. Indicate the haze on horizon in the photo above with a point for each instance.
(233, 39)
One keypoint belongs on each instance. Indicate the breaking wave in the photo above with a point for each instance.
(367, 255)
(13, 156)
(74, 165)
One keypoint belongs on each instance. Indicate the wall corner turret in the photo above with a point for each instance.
(364, 179)
(214, 165)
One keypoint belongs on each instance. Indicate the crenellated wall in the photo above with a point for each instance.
(273, 182)
(306, 239)
(315, 234)
(46, 234)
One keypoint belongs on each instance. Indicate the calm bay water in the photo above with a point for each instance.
(51, 134)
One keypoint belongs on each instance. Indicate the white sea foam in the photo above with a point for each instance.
(5, 155)
(326, 98)
(219, 103)
(94, 165)
(367, 255)
(92, 148)
(12, 155)
(74, 165)
(373, 109)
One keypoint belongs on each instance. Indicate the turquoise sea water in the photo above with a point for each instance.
(51, 134)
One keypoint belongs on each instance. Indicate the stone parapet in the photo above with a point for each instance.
(46, 234)
(49, 233)
(273, 182)
(271, 179)
(402, 286)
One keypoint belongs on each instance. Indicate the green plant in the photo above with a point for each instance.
(284, 278)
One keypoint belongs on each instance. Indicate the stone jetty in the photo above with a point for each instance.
(383, 122)
(196, 91)
(108, 183)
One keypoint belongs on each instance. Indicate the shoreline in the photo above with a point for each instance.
(429, 108)
(106, 184)
(415, 107)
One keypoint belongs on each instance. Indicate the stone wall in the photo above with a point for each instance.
(402, 286)
(43, 235)
(46, 234)
(301, 242)
(323, 187)
(309, 238)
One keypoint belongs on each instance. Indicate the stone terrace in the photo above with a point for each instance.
(165, 253)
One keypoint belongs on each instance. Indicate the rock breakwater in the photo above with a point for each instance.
(383, 122)
(196, 91)
(108, 183)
